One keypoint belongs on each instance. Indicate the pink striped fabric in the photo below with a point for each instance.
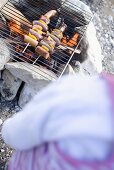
(50, 157)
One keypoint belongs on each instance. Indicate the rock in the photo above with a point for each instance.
(75, 69)
(34, 76)
(17, 109)
(106, 35)
(78, 69)
(26, 95)
(4, 53)
(1, 121)
(110, 18)
(2, 150)
(112, 42)
(10, 85)
(2, 2)
(69, 70)
(1, 80)
(93, 63)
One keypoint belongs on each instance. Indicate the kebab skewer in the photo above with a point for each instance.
(40, 27)
(47, 45)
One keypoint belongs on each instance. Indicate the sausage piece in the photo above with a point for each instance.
(51, 13)
(41, 51)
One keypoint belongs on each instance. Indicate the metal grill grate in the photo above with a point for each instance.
(24, 13)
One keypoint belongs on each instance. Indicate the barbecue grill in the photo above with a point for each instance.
(76, 19)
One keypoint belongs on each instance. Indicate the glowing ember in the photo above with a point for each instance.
(15, 27)
(72, 42)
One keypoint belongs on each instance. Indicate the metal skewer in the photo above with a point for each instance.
(68, 48)
(36, 60)
(25, 47)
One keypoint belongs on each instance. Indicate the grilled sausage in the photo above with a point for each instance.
(51, 13)
(41, 51)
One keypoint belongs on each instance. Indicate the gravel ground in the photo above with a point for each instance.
(104, 23)
(7, 109)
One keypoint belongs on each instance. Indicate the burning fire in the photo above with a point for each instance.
(15, 27)
(72, 42)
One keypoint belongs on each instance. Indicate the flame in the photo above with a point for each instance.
(15, 27)
(72, 42)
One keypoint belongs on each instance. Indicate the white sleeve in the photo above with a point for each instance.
(72, 106)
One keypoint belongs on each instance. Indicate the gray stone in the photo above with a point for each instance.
(69, 70)
(4, 53)
(10, 85)
(112, 42)
(1, 121)
(78, 69)
(110, 18)
(2, 2)
(93, 64)
(106, 35)
(17, 109)
(2, 150)
(34, 76)
(75, 70)
(0, 80)
(26, 95)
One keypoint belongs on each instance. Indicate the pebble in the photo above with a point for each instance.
(105, 21)
(7, 109)
(112, 42)
(2, 150)
(1, 121)
(13, 111)
(17, 109)
(110, 18)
